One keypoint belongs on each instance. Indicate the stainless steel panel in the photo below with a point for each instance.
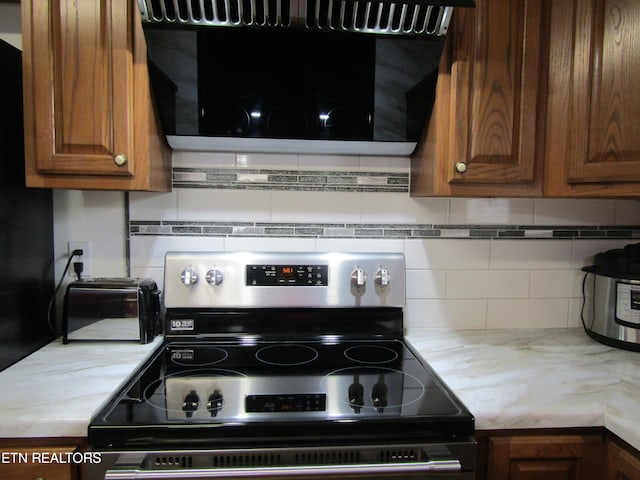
(234, 293)
(604, 321)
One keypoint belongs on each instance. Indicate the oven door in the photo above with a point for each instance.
(422, 470)
(436, 461)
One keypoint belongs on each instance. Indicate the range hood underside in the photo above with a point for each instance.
(397, 17)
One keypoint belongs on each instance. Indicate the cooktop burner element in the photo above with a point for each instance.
(371, 354)
(205, 357)
(278, 352)
(286, 355)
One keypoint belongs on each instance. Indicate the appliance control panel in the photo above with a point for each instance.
(275, 279)
(287, 275)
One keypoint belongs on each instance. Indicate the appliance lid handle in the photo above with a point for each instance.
(432, 466)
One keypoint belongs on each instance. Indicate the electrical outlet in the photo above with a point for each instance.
(85, 258)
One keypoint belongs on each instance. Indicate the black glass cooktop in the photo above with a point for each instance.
(245, 389)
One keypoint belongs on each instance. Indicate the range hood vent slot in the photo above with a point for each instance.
(409, 17)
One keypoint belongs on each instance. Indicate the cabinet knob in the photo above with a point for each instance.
(461, 167)
(120, 159)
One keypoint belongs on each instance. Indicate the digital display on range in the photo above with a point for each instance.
(301, 402)
(287, 275)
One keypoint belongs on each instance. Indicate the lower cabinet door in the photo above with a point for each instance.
(545, 457)
(42, 463)
(622, 464)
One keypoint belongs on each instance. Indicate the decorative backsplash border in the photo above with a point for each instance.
(379, 230)
(307, 180)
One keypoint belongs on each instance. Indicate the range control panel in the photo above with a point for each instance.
(274, 279)
(287, 275)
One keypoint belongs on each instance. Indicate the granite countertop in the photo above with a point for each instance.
(545, 378)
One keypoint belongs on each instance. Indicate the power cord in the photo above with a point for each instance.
(78, 267)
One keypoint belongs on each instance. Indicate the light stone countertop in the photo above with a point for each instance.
(543, 378)
(54, 391)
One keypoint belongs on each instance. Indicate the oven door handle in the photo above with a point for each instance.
(432, 466)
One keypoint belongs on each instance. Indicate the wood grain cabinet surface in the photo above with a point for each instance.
(34, 463)
(593, 132)
(89, 115)
(545, 457)
(536, 97)
(485, 136)
(623, 462)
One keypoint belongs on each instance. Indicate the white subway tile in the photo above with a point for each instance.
(578, 308)
(426, 284)
(553, 211)
(401, 208)
(453, 314)
(203, 159)
(491, 211)
(387, 164)
(328, 162)
(155, 273)
(224, 205)
(392, 245)
(310, 207)
(556, 283)
(149, 251)
(487, 284)
(584, 251)
(262, 244)
(530, 254)
(627, 212)
(528, 313)
(153, 206)
(447, 254)
(267, 160)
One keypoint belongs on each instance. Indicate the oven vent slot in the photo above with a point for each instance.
(399, 456)
(328, 458)
(168, 461)
(247, 460)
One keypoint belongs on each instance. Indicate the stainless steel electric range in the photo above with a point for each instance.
(283, 365)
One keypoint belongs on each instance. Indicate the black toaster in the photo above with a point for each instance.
(116, 309)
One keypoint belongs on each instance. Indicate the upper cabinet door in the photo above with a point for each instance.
(82, 72)
(606, 98)
(88, 112)
(486, 135)
(593, 131)
(498, 95)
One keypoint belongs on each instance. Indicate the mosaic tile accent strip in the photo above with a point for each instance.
(380, 230)
(259, 179)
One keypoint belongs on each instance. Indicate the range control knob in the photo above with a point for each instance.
(383, 277)
(189, 276)
(191, 403)
(356, 395)
(379, 395)
(214, 405)
(358, 277)
(214, 276)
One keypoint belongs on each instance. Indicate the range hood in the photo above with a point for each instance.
(295, 76)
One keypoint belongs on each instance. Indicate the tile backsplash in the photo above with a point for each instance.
(472, 263)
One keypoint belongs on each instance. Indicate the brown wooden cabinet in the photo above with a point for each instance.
(623, 462)
(544, 457)
(593, 132)
(38, 463)
(89, 116)
(486, 133)
(536, 98)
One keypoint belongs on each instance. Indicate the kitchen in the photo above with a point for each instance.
(478, 282)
